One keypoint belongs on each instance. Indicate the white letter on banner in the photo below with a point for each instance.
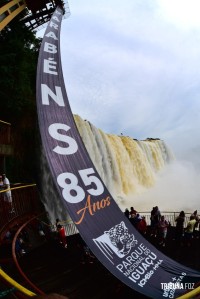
(71, 191)
(89, 179)
(55, 18)
(58, 13)
(48, 63)
(50, 48)
(46, 92)
(72, 145)
(53, 25)
(52, 35)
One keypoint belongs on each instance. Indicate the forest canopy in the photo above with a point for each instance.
(18, 64)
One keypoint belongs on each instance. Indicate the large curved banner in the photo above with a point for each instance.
(108, 233)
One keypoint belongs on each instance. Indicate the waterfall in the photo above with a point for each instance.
(127, 166)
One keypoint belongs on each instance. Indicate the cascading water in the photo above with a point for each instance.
(126, 166)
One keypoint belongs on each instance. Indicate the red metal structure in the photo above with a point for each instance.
(25, 201)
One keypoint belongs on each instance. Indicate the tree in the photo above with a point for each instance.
(18, 63)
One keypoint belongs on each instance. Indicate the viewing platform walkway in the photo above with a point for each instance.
(54, 269)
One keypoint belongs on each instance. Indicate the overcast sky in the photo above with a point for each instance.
(133, 67)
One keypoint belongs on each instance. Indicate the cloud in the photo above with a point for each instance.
(184, 14)
(134, 66)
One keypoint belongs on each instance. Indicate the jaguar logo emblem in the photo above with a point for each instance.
(116, 240)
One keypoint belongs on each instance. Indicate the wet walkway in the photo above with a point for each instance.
(55, 269)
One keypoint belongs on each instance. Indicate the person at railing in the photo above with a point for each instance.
(57, 223)
(39, 226)
(19, 246)
(127, 213)
(7, 194)
(195, 214)
(155, 218)
(133, 212)
(179, 230)
(62, 235)
(135, 220)
(142, 226)
(196, 227)
(163, 225)
(190, 230)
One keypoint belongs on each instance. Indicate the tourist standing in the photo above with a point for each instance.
(155, 218)
(189, 230)
(133, 212)
(162, 230)
(196, 227)
(179, 231)
(127, 213)
(62, 235)
(7, 193)
(142, 226)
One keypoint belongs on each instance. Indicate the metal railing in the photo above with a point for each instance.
(25, 200)
(71, 229)
(170, 216)
(27, 280)
(69, 226)
(16, 285)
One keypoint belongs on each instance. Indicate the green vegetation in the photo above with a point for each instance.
(19, 50)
